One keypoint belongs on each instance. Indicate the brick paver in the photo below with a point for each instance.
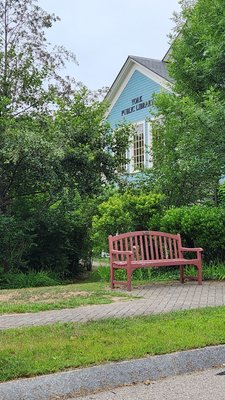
(154, 299)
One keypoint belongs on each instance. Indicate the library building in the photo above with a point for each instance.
(131, 98)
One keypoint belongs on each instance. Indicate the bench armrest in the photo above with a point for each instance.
(197, 249)
(121, 252)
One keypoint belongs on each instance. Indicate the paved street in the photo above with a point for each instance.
(154, 299)
(206, 385)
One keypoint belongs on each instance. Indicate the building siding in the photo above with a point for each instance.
(134, 105)
(138, 86)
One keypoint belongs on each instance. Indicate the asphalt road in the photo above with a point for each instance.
(206, 385)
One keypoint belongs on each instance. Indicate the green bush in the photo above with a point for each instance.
(39, 235)
(221, 194)
(199, 226)
(18, 280)
(123, 213)
(60, 233)
(16, 241)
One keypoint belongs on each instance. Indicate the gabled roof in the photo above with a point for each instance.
(154, 69)
(157, 66)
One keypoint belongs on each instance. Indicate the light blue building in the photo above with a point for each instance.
(131, 98)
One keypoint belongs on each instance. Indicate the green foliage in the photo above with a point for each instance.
(56, 154)
(198, 54)
(29, 77)
(123, 213)
(16, 241)
(189, 141)
(30, 159)
(199, 226)
(62, 235)
(214, 271)
(17, 280)
(193, 142)
(93, 153)
(140, 275)
(221, 194)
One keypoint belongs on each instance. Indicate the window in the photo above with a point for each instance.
(138, 148)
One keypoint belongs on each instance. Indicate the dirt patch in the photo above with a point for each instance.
(4, 297)
(50, 297)
(117, 298)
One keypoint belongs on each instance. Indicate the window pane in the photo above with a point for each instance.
(139, 150)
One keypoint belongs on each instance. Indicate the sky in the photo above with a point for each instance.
(102, 33)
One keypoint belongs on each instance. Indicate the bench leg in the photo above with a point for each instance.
(112, 278)
(199, 267)
(129, 274)
(181, 274)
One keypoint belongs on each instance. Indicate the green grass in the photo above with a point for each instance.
(40, 350)
(57, 297)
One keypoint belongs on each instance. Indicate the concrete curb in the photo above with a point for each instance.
(112, 375)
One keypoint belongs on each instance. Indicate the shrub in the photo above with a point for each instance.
(16, 241)
(61, 238)
(199, 226)
(123, 213)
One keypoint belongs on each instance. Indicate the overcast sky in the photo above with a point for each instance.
(102, 33)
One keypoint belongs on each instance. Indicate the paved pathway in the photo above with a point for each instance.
(154, 299)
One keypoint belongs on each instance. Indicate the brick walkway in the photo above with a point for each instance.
(154, 299)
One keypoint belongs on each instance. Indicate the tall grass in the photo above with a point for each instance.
(212, 271)
(18, 280)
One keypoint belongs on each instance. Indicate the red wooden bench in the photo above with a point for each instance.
(146, 249)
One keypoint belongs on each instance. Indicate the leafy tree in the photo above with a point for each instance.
(94, 153)
(189, 141)
(30, 157)
(29, 77)
(56, 153)
(30, 149)
(198, 53)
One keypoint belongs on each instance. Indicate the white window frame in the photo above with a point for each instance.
(133, 168)
(149, 144)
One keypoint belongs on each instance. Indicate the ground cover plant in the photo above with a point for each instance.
(40, 350)
(57, 297)
(212, 271)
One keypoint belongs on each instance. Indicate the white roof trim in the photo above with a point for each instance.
(124, 76)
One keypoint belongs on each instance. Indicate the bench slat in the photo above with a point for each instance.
(170, 247)
(152, 256)
(165, 247)
(175, 248)
(146, 247)
(136, 248)
(142, 247)
(161, 248)
(156, 247)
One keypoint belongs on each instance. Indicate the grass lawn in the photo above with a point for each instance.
(40, 350)
(57, 297)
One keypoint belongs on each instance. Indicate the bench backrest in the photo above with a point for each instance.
(147, 245)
